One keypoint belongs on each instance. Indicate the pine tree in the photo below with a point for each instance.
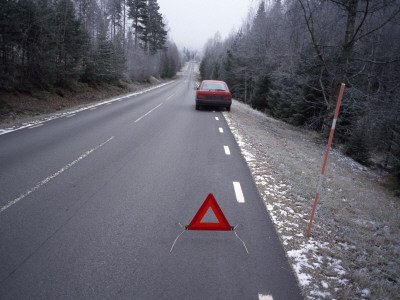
(168, 67)
(258, 97)
(138, 14)
(11, 35)
(105, 68)
(69, 37)
(39, 51)
(357, 147)
(115, 10)
(155, 28)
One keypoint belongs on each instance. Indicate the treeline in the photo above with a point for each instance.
(48, 44)
(290, 57)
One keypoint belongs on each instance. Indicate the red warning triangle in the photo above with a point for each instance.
(222, 224)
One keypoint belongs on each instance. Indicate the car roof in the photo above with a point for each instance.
(213, 81)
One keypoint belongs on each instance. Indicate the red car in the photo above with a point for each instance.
(213, 93)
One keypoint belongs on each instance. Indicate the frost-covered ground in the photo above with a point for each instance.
(34, 121)
(353, 251)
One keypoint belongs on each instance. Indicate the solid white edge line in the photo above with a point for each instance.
(35, 126)
(227, 151)
(46, 180)
(238, 192)
(60, 115)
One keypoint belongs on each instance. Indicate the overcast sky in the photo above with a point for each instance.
(192, 22)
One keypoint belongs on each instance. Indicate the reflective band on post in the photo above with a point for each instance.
(333, 124)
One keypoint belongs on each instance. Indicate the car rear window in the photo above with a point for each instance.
(213, 86)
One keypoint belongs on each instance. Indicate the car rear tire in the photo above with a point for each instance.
(228, 108)
(197, 107)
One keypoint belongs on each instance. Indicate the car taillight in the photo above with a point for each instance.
(200, 97)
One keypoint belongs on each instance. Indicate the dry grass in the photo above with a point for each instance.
(355, 244)
(18, 108)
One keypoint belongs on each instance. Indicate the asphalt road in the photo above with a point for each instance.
(90, 206)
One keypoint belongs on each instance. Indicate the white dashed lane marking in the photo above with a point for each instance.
(238, 192)
(221, 130)
(216, 118)
(265, 297)
(149, 112)
(227, 151)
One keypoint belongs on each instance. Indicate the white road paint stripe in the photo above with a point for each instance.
(227, 151)
(46, 180)
(35, 126)
(149, 112)
(71, 115)
(221, 130)
(60, 115)
(238, 192)
(216, 118)
(265, 297)
(93, 108)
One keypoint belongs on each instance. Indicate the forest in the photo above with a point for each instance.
(60, 44)
(290, 57)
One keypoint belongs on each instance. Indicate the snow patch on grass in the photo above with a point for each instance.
(304, 254)
(285, 164)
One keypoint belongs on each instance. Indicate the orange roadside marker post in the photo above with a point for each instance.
(326, 157)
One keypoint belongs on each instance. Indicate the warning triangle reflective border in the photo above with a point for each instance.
(222, 225)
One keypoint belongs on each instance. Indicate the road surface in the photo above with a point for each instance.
(92, 202)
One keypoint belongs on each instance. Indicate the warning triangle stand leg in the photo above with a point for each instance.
(222, 225)
(185, 228)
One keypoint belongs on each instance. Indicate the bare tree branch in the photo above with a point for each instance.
(322, 87)
(361, 23)
(377, 62)
(395, 13)
(310, 28)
